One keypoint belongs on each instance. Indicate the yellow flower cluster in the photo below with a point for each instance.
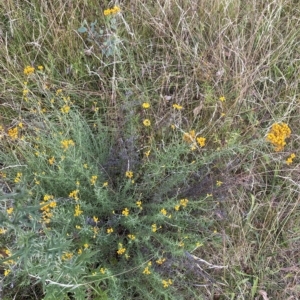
(46, 206)
(160, 261)
(131, 236)
(2, 231)
(121, 249)
(7, 253)
(18, 177)
(66, 144)
(112, 11)
(67, 256)
(167, 283)
(28, 70)
(190, 137)
(78, 211)
(13, 133)
(146, 270)
(201, 141)
(93, 179)
(125, 212)
(163, 211)
(277, 135)
(110, 230)
(183, 203)
(65, 109)
(177, 106)
(129, 174)
(74, 195)
(290, 159)
(51, 160)
(154, 227)
(139, 204)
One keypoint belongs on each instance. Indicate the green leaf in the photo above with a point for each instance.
(82, 29)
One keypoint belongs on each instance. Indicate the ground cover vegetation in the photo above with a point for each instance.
(149, 149)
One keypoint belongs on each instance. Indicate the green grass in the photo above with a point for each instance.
(236, 237)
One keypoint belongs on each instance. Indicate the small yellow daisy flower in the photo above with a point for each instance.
(146, 105)
(177, 106)
(147, 122)
(201, 141)
(129, 174)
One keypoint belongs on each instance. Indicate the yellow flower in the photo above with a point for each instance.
(201, 141)
(85, 166)
(28, 70)
(66, 144)
(58, 92)
(184, 202)
(48, 197)
(177, 106)
(121, 249)
(93, 179)
(79, 251)
(160, 261)
(219, 183)
(146, 105)
(112, 11)
(18, 177)
(51, 160)
(146, 122)
(125, 212)
(86, 246)
(13, 133)
(167, 283)
(146, 271)
(52, 204)
(2, 231)
(147, 153)
(129, 174)
(110, 230)
(65, 109)
(154, 227)
(177, 207)
(74, 195)
(139, 204)
(6, 272)
(41, 68)
(163, 211)
(278, 134)
(78, 227)
(105, 184)
(78, 212)
(190, 136)
(67, 255)
(131, 236)
(290, 159)
(102, 270)
(222, 99)
(10, 210)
